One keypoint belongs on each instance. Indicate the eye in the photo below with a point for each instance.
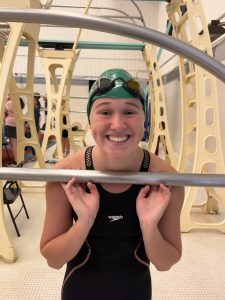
(130, 112)
(105, 113)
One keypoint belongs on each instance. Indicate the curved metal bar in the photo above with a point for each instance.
(142, 178)
(116, 27)
(140, 13)
(102, 8)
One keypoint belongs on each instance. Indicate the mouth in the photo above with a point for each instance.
(118, 139)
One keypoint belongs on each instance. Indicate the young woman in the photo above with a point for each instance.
(107, 234)
(10, 126)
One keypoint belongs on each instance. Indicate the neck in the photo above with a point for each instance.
(104, 162)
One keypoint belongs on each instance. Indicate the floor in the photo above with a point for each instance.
(199, 275)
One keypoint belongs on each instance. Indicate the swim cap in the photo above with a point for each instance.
(115, 83)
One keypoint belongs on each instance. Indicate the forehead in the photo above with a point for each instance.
(116, 102)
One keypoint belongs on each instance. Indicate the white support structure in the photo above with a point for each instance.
(58, 69)
(12, 35)
(30, 33)
(159, 132)
(201, 139)
(56, 91)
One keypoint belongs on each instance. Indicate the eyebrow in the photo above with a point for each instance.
(127, 102)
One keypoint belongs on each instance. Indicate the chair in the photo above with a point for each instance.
(11, 191)
(5, 143)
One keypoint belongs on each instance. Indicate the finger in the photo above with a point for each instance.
(92, 188)
(154, 188)
(72, 180)
(164, 187)
(83, 184)
(72, 183)
(81, 190)
(63, 185)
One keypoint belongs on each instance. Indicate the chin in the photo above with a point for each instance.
(118, 151)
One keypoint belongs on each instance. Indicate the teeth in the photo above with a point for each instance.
(118, 139)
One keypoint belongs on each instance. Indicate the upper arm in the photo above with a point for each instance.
(169, 224)
(58, 217)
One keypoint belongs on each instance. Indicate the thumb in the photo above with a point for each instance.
(63, 185)
(143, 192)
(92, 188)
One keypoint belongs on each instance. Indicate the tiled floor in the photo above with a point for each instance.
(199, 275)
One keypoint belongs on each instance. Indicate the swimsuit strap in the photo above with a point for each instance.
(88, 158)
(146, 161)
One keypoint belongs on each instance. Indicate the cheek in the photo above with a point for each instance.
(141, 124)
(94, 118)
(141, 120)
(94, 122)
(142, 129)
(96, 126)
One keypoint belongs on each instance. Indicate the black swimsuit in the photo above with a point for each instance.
(112, 263)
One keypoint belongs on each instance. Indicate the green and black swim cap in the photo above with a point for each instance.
(115, 83)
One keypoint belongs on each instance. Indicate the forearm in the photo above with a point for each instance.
(159, 251)
(64, 247)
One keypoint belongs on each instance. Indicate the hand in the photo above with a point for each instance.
(85, 204)
(151, 203)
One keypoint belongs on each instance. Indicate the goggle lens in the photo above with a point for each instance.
(104, 83)
(134, 85)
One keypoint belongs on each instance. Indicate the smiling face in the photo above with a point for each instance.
(117, 125)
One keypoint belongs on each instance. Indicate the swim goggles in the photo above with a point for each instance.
(104, 85)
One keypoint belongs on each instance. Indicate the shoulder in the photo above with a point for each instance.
(160, 165)
(157, 164)
(73, 161)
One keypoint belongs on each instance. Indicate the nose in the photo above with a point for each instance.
(118, 122)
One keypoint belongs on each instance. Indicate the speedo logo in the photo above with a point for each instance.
(115, 218)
